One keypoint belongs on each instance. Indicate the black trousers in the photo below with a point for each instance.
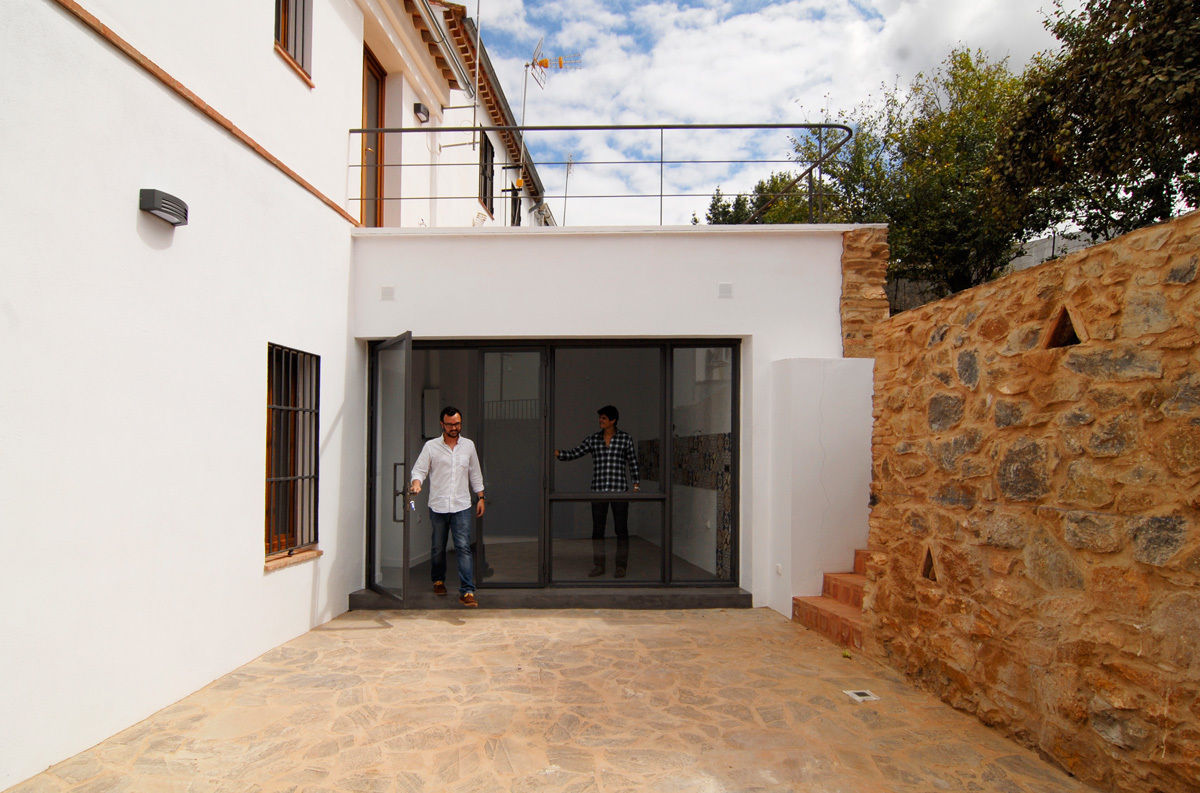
(620, 511)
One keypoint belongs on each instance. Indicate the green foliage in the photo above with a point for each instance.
(853, 182)
(1103, 136)
(919, 161)
(950, 223)
(774, 200)
(1109, 138)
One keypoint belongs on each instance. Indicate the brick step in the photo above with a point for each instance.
(844, 587)
(860, 561)
(839, 621)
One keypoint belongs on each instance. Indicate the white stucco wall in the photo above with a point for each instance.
(224, 51)
(820, 471)
(634, 283)
(132, 405)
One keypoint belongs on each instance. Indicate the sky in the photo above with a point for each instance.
(716, 62)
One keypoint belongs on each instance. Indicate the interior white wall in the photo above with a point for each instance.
(628, 283)
(820, 472)
(133, 401)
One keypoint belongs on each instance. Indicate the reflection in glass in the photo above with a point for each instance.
(390, 462)
(702, 464)
(511, 454)
(578, 555)
(590, 378)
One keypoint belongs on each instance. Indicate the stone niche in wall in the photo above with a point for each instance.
(1036, 488)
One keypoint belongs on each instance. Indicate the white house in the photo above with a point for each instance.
(204, 425)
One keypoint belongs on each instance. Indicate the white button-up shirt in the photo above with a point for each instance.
(449, 471)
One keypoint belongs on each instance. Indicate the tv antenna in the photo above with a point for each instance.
(539, 65)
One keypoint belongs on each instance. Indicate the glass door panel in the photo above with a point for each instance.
(586, 379)
(440, 378)
(580, 553)
(512, 454)
(701, 471)
(629, 379)
(391, 513)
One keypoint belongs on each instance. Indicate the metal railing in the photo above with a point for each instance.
(674, 168)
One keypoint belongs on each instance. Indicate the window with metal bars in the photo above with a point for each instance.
(293, 420)
(487, 173)
(293, 30)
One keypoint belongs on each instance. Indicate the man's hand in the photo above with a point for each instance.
(479, 508)
(415, 487)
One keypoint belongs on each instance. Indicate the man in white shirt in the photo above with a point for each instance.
(452, 465)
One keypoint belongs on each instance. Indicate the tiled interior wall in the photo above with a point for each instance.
(702, 461)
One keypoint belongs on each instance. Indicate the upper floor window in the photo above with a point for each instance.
(293, 33)
(372, 142)
(514, 206)
(487, 173)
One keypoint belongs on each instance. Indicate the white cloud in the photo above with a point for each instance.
(723, 61)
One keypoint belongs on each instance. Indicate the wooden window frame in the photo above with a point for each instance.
(372, 66)
(293, 36)
(293, 440)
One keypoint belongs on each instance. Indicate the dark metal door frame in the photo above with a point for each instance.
(404, 342)
(547, 348)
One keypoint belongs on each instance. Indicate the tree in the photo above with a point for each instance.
(922, 161)
(774, 200)
(723, 211)
(1109, 139)
(950, 221)
(849, 187)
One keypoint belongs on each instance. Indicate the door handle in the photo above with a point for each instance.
(397, 489)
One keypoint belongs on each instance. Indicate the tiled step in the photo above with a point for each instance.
(839, 621)
(845, 588)
(837, 613)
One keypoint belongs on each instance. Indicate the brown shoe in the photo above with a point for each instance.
(468, 600)
(439, 587)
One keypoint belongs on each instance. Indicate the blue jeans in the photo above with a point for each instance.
(459, 525)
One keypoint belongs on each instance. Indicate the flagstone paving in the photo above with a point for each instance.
(710, 701)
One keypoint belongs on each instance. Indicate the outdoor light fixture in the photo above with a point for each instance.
(163, 206)
(421, 112)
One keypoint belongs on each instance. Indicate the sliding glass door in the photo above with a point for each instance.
(562, 508)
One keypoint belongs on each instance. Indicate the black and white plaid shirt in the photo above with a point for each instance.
(608, 461)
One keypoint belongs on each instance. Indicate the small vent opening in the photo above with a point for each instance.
(1062, 333)
(927, 570)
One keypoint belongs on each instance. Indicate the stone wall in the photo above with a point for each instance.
(1036, 486)
(864, 302)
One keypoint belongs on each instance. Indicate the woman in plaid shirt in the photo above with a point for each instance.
(612, 452)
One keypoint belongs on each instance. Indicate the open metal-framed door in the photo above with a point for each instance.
(387, 531)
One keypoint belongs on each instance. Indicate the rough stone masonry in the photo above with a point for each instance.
(1036, 489)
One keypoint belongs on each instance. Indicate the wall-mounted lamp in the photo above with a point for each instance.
(164, 206)
(421, 112)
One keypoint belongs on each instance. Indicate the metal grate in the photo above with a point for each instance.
(293, 420)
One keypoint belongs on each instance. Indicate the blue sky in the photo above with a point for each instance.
(715, 61)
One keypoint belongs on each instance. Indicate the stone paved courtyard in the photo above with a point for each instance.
(572, 701)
